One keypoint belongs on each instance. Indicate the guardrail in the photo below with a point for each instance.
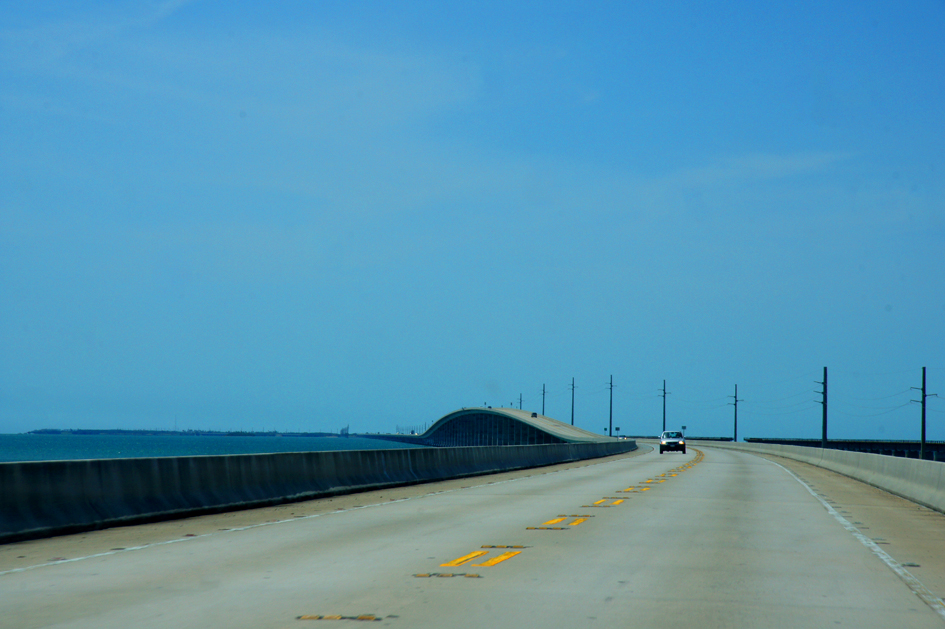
(41, 499)
(919, 481)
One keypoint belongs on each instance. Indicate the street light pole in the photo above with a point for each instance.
(612, 407)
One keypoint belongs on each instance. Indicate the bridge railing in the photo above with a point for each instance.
(45, 498)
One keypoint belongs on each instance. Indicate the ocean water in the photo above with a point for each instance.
(25, 447)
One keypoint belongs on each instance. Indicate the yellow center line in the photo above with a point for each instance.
(578, 521)
(599, 501)
(464, 559)
(616, 502)
(555, 521)
(645, 489)
(498, 559)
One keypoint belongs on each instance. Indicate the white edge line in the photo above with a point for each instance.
(917, 587)
(255, 526)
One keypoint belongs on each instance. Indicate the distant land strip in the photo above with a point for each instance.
(183, 433)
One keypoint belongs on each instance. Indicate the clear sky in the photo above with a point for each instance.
(306, 215)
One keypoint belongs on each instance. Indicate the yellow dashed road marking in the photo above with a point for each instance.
(499, 559)
(464, 559)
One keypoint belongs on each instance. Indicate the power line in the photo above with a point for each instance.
(763, 414)
(636, 396)
(596, 391)
(806, 392)
(876, 399)
(718, 399)
(870, 408)
(860, 374)
(895, 408)
(781, 381)
(787, 405)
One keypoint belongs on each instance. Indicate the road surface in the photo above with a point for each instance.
(712, 538)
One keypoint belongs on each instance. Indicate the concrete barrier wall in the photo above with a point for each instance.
(919, 481)
(39, 499)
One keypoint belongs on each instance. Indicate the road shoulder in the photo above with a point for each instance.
(912, 534)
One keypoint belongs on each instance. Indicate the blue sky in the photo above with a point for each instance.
(301, 216)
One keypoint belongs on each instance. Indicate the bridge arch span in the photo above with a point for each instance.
(502, 427)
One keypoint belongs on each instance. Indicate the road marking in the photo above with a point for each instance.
(464, 559)
(555, 521)
(917, 587)
(428, 575)
(600, 501)
(616, 502)
(499, 559)
(484, 546)
(546, 528)
(362, 617)
(578, 521)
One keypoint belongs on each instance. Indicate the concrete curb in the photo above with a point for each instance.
(922, 482)
(46, 498)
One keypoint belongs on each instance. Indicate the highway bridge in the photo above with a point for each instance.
(718, 537)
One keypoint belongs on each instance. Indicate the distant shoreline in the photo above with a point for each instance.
(181, 433)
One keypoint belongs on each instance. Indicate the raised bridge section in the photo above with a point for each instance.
(498, 427)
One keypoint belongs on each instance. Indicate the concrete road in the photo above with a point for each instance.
(725, 540)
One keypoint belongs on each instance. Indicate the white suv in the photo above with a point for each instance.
(672, 440)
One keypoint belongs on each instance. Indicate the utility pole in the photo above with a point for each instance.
(572, 400)
(519, 401)
(664, 405)
(543, 399)
(735, 403)
(924, 395)
(611, 432)
(823, 438)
